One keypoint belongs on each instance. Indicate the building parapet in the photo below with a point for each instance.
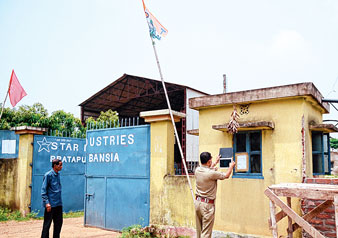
(272, 93)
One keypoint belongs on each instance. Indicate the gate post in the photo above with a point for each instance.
(24, 169)
(162, 141)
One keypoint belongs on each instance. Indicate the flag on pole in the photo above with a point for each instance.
(156, 29)
(15, 91)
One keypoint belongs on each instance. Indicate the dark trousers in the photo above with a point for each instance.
(56, 215)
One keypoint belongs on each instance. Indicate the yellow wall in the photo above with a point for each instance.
(311, 114)
(162, 142)
(179, 208)
(170, 197)
(16, 177)
(8, 183)
(23, 191)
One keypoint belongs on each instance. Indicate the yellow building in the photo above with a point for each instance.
(280, 139)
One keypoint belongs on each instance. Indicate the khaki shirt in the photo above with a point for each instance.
(206, 181)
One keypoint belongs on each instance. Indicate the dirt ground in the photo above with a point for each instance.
(71, 228)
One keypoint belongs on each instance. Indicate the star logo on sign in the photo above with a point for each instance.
(44, 145)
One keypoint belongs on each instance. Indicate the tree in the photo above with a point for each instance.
(106, 119)
(25, 115)
(36, 115)
(6, 121)
(62, 122)
(334, 143)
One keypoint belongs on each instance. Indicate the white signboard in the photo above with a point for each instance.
(8, 146)
(242, 162)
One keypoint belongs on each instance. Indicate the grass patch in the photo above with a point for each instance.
(72, 214)
(7, 214)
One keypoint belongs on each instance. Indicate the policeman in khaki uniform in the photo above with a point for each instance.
(206, 188)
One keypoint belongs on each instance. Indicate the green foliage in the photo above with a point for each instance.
(7, 118)
(37, 116)
(3, 214)
(7, 215)
(106, 119)
(61, 121)
(72, 214)
(136, 231)
(25, 115)
(109, 115)
(334, 143)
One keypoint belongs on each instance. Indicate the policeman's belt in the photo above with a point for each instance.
(206, 200)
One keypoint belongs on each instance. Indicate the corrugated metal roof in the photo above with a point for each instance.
(129, 95)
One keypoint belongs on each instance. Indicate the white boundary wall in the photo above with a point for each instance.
(192, 141)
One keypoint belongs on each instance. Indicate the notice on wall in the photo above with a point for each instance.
(8, 146)
(242, 162)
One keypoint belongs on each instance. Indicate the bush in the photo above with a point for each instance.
(4, 214)
(136, 231)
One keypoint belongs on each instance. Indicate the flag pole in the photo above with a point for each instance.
(172, 118)
(3, 105)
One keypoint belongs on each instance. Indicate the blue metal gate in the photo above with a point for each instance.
(118, 177)
(71, 152)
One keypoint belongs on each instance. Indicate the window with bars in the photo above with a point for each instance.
(321, 162)
(251, 143)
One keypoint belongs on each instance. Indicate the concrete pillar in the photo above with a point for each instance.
(162, 141)
(24, 168)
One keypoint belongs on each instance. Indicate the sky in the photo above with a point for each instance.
(64, 51)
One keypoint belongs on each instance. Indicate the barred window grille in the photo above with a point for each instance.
(191, 166)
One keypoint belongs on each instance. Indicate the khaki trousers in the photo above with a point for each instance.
(205, 216)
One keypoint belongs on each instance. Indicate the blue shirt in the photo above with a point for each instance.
(51, 189)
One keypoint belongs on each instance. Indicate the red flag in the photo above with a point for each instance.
(16, 91)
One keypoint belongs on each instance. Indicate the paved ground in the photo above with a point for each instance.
(72, 228)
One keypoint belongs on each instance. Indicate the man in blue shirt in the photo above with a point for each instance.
(51, 199)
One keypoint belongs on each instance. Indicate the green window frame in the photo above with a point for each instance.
(321, 160)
